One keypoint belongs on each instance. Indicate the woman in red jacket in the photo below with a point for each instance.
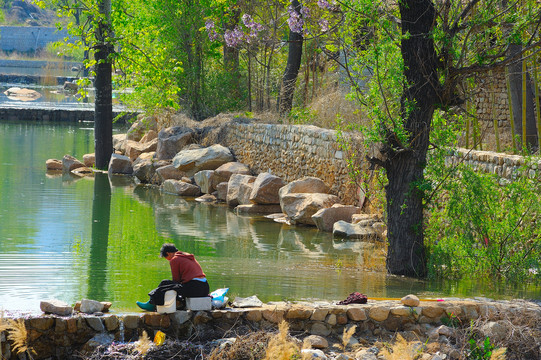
(189, 280)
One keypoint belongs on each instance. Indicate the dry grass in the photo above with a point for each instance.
(249, 347)
(144, 344)
(346, 336)
(280, 346)
(401, 349)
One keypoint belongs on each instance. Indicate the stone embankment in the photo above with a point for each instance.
(426, 321)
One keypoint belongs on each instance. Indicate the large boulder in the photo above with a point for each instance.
(204, 179)
(265, 189)
(120, 164)
(236, 191)
(221, 191)
(181, 188)
(172, 140)
(307, 184)
(134, 148)
(169, 172)
(299, 207)
(145, 170)
(70, 163)
(224, 172)
(54, 165)
(354, 231)
(89, 160)
(209, 158)
(149, 136)
(325, 218)
(141, 126)
(119, 143)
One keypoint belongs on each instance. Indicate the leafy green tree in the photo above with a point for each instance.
(418, 55)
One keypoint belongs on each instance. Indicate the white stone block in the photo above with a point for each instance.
(199, 303)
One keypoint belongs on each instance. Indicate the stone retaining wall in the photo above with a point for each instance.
(504, 165)
(292, 152)
(57, 337)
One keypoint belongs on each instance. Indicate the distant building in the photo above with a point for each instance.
(27, 39)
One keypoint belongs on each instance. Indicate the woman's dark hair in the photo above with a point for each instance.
(167, 248)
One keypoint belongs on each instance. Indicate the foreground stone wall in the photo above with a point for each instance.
(56, 337)
(292, 152)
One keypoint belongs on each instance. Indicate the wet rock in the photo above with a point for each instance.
(206, 198)
(70, 163)
(172, 140)
(180, 188)
(300, 207)
(111, 323)
(90, 306)
(325, 218)
(317, 342)
(53, 164)
(56, 307)
(235, 190)
(95, 323)
(265, 189)
(120, 164)
(131, 321)
(209, 158)
(257, 209)
(410, 300)
(89, 160)
(354, 231)
(70, 86)
(83, 171)
(307, 184)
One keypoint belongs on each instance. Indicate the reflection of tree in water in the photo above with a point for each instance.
(101, 209)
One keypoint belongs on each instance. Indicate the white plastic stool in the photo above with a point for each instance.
(169, 303)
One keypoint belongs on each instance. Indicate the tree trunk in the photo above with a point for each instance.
(103, 105)
(515, 82)
(292, 67)
(405, 165)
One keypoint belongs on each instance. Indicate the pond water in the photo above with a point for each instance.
(70, 238)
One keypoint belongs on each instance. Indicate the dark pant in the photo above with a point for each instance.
(194, 288)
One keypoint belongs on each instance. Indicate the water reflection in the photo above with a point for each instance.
(101, 210)
(110, 252)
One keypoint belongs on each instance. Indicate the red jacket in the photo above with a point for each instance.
(184, 267)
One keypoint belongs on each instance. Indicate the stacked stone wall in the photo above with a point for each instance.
(294, 151)
(504, 165)
(56, 337)
(490, 102)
